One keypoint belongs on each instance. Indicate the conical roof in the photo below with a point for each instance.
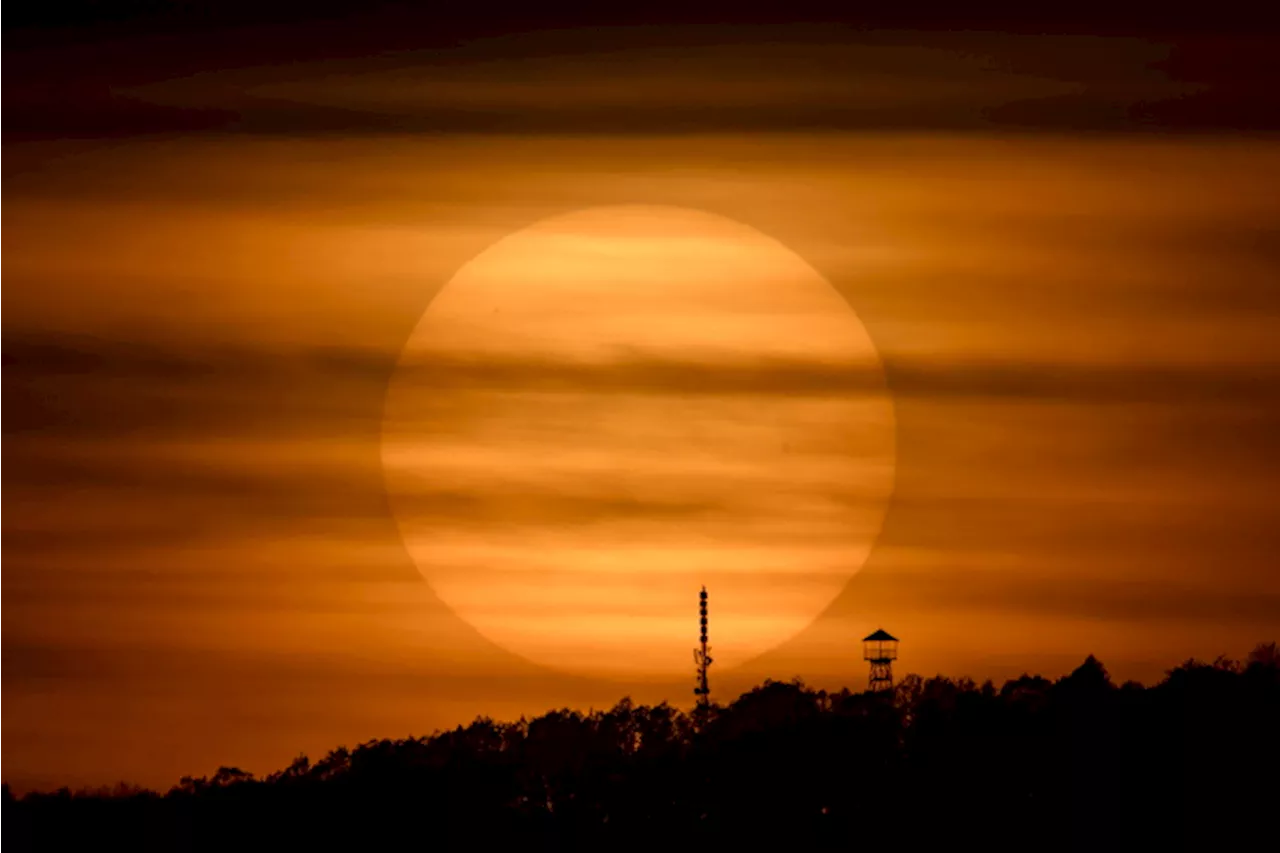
(880, 635)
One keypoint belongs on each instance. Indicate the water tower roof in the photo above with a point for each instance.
(879, 636)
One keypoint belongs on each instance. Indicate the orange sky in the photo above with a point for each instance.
(203, 567)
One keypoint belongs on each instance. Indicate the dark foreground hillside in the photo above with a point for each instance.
(1078, 763)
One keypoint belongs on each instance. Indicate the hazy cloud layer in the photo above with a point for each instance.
(1079, 334)
(84, 365)
(651, 81)
(255, 439)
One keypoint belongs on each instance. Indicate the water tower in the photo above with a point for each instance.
(881, 649)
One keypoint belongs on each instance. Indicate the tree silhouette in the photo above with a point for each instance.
(1033, 764)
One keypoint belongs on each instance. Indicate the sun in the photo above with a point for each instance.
(607, 409)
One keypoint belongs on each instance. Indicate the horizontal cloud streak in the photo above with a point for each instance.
(24, 359)
(1084, 596)
(726, 80)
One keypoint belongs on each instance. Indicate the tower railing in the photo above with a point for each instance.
(880, 650)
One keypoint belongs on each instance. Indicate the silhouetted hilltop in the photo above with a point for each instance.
(1076, 763)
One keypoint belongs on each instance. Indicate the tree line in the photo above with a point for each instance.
(1035, 764)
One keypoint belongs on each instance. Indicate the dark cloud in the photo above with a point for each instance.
(488, 18)
(906, 377)
(249, 493)
(27, 661)
(83, 385)
(85, 415)
(528, 77)
(201, 671)
(96, 388)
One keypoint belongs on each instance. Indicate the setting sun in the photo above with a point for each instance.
(608, 408)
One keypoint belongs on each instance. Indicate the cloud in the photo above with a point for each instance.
(642, 81)
(1082, 596)
(87, 385)
(115, 446)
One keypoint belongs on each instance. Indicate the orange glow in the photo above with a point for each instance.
(365, 413)
(590, 512)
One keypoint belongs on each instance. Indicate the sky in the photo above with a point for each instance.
(967, 332)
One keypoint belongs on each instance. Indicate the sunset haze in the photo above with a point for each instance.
(355, 393)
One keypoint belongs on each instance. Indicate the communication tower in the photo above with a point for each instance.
(702, 654)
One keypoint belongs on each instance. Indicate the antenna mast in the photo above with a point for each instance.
(702, 654)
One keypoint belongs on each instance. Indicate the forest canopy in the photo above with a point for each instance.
(1033, 764)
